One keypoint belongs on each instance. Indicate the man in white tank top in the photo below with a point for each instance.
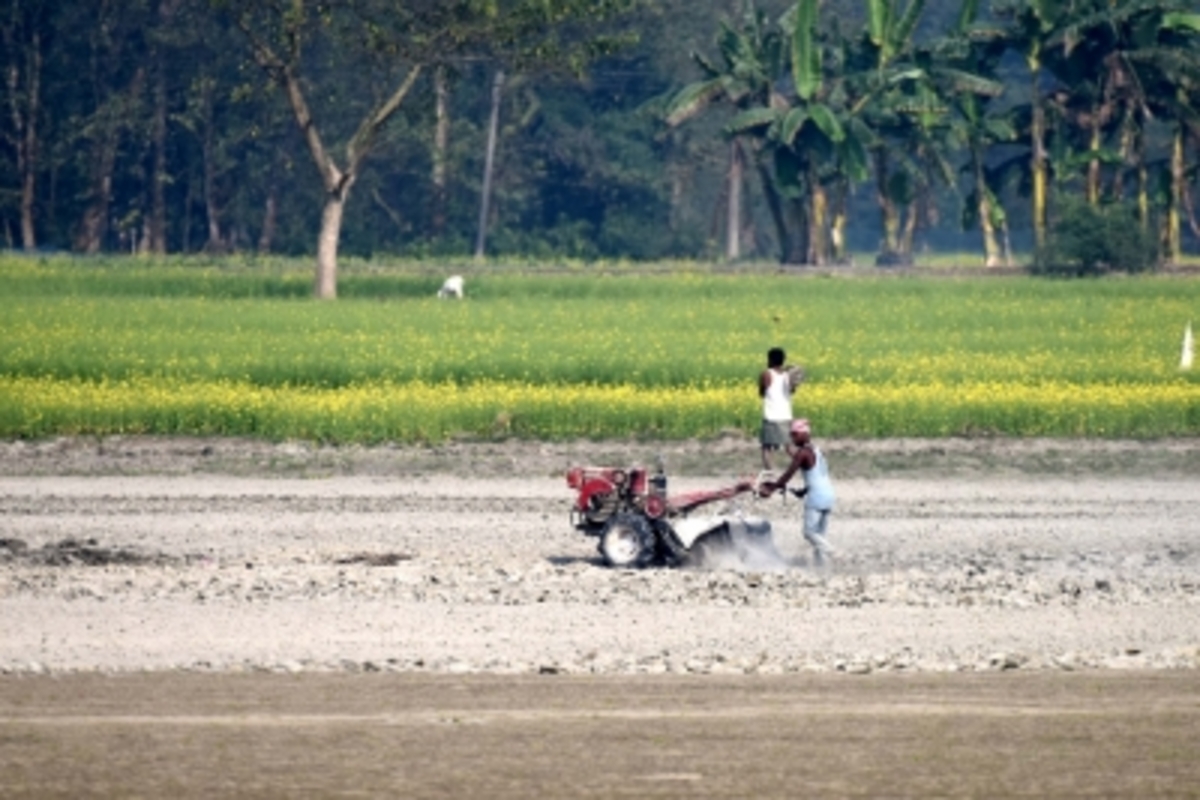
(776, 385)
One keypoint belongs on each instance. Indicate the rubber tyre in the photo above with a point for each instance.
(627, 542)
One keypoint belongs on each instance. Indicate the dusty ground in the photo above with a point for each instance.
(225, 555)
(206, 618)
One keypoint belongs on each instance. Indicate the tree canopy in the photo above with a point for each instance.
(876, 126)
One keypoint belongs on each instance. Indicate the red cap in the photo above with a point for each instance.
(801, 426)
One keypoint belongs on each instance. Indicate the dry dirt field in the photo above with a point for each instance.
(1013, 734)
(1004, 617)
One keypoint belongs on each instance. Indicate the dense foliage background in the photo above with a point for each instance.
(166, 126)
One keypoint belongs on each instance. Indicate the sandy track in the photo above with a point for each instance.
(384, 559)
(184, 735)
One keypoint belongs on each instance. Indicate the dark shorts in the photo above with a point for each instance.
(774, 434)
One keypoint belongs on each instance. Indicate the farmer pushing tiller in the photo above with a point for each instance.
(818, 494)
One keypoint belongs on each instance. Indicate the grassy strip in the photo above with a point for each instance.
(249, 276)
(89, 347)
(659, 331)
(422, 412)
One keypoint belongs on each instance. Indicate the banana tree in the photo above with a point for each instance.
(813, 150)
(976, 50)
(1164, 56)
(904, 93)
(1105, 99)
(751, 59)
(1031, 25)
(1085, 58)
(892, 96)
(1125, 65)
(813, 145)
(797, 138)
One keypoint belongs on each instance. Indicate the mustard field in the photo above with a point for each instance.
(238, 349)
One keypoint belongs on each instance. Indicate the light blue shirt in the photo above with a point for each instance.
(820, 487)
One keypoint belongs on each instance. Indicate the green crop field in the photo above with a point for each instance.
(238, 348)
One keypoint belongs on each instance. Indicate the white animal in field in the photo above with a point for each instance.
(453, 287)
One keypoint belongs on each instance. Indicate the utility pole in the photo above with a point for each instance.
(488, 163)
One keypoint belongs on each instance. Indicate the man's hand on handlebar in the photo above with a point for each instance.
(764, 485)
(766, 488)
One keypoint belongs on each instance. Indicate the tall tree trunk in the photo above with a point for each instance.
(94, 225)
(775, 206)
(790, 247)
(1175, 203)
(208, 148)
(837, 226)
(327, 245)
(721, 206)
(441, 146)
(489, 161)
(733, 221)
(1037, 152)
(27, 157)
(889, 212)
(984, 199)
(909, 231)
(270, 221)
(818, 220)
(798, 241)
(1186, 197)
(157, 227)
(1007, 240)
(1190, 207)
(24, 79)
(1144, 197)
(1138, 158)
(185, 233)
(1093, 173)
(992, 255)
(1128, 143)
(677, 188)
(891, 224)
(157, 231)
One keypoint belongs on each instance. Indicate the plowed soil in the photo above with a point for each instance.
(206, 617)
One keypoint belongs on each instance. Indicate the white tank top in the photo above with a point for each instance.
(777, 400)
